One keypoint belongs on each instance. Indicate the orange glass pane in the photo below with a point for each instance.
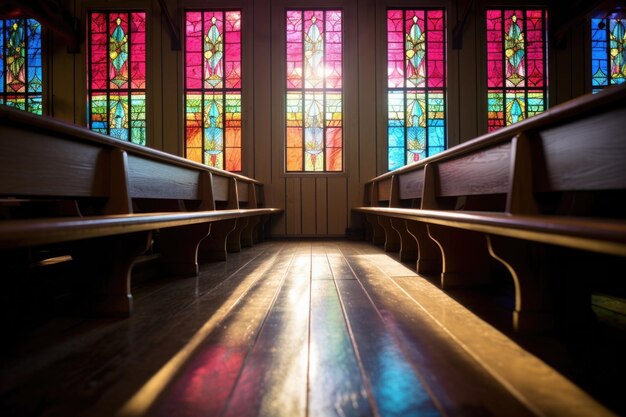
(194, 154)
(233, 159)
(333, 138)
(294, 137)
(294, 159)
(233, 139)
(333, 161)
(194, 137)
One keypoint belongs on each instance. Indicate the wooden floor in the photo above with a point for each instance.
(285, 328)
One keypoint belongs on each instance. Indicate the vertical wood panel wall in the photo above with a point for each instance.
(315, 205)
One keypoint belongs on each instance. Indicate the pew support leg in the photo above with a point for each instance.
(179, 248)
(408, 244)
(213, 247)
(378, 233)
(464, 254)
(248, 234)
(104, 265)
(525, 261)
(392, 239)
(429, 260)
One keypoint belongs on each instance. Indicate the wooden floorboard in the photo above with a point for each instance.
(285, 328)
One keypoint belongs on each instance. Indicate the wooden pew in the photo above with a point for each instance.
(108, 202)
(519, 195)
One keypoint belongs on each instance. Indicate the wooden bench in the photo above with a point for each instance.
(107, 202)
(520, 195)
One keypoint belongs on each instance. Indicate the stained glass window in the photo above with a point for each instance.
(213, 88)
(116, 81)
(314, 102)
(608, 52)
(516, 66)
(20, 64)
(416, 87)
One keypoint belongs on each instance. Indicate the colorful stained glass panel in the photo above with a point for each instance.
(117, 75)
(314, 101)
(516, 65)
(416, 88)
(608, 52)
(20, 64)
(213, 120)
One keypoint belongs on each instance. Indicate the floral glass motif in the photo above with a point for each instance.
(117, 75)
(20, 64)
(516, 66)
(416, 87)
(213, 88)
(608, 52)
(314, 102)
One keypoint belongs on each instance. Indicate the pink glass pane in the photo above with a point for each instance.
(535, 48)
(193, 49)
(138, 50)
(395, 49)
(333, 56)
(99, 41)
(232, 66)
(294, 49)
(435, 34)
(494, 49)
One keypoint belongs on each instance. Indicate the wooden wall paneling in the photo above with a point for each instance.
(363, 156)
(563, 82)
(325, 204)
(158, 53)
(262, 109)
(79, 71)
(579, 63)
(308, 198)
(473, 90)
(338, 205)
(169, 79)
(293, 207)
(248, 133)
(61, 94)
(270, 31)
(460, 62)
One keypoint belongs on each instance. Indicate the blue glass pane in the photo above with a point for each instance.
(396, 158)
(396, 137)
(34, 56)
